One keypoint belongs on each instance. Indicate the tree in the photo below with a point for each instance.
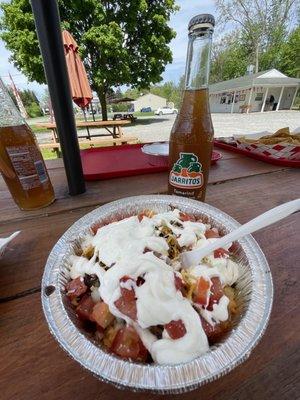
(263, 23)
(31, 103)
(171, 91)
(229, 58)
(121, 42)
(290, 54)
(29, 100)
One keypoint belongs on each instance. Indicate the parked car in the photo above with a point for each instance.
(165, 110)
(146, 109)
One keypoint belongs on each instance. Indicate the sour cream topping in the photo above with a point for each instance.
(121, 247)
(131, 237)
(158, 303)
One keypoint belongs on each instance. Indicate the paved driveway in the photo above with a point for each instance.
(158, 128)
(148, 129)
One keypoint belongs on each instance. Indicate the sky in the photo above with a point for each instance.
(179, 22)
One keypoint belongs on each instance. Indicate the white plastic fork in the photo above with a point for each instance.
(191, 258)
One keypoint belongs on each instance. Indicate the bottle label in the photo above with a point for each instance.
(187, 172)
(28, 166)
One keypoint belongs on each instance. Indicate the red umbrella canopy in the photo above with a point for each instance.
(80, 88)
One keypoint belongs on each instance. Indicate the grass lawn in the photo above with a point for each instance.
(48, 154)
(143, 114)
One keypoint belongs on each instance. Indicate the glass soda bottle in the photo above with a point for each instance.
(191, 139)
(21, 162)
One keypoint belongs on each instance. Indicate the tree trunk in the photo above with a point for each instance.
(256, 57)
(102, 98)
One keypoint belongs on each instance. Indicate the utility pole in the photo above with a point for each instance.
(18, 98)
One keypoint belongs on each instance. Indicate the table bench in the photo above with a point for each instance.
(55, 146)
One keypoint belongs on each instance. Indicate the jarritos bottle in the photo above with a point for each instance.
(21, 163)
(191, 139)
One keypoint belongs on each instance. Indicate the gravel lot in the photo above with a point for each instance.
(150, 129)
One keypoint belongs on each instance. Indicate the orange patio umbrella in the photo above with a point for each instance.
(80, 89)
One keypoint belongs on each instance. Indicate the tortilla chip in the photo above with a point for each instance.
(282, 136)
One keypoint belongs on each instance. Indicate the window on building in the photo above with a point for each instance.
(259, 97)
(229, 98)
(223, 99)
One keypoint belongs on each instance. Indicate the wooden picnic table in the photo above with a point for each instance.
(114, 137)
(113, 127)
(34, 367)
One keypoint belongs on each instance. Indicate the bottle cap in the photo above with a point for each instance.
(201, 21)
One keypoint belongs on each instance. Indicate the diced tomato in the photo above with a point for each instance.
(233, 247)
(127, 294)
(126, 304)
(76, 288)
(127, 344)
(127, 308)
(211, 233)
(178, 282)
(208, 329)
(201, 292)
(216, 291)
(85, 308)
(175, 329)
(143, 354)
(125, 278)
(186, 217)
(220, 253)
(101, 315)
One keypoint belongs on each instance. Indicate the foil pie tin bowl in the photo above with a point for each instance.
(255, 296)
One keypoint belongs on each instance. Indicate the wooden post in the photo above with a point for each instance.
(232, 105)
(295, 94)
(280, 97)
(249, 101)
(264, 101)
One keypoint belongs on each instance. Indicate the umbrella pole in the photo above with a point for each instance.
(47, 24)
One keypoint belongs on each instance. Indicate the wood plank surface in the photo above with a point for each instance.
(22, 265)
(95, 124)
(100, 192)
(33, 366)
